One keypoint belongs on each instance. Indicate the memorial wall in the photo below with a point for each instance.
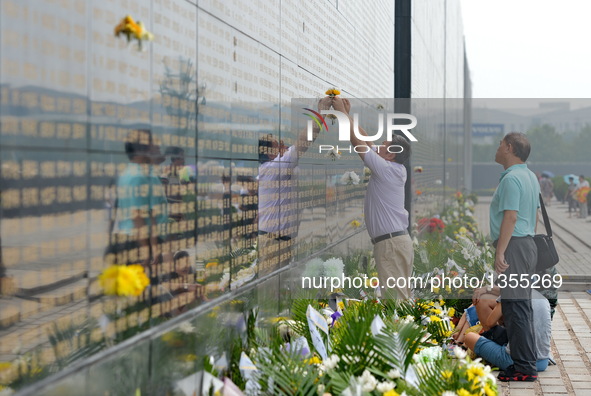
(158, 153)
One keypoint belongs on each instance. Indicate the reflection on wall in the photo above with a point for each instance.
(115, 156)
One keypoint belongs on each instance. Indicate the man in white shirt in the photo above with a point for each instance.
(385, 216)
(277, 202)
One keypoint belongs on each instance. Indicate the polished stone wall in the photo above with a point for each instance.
(219, 77)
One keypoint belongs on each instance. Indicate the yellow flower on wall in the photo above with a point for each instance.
(122, 280)
(133, 30)
(333, 92)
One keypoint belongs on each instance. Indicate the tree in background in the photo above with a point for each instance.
(581, 145)
(547, 145)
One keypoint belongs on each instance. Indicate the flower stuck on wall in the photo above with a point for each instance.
(133, 30)
(418, 169)
(334, 154)
(124, 280)
(349, 178)
(333, 92)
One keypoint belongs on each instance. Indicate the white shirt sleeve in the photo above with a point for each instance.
(380, 167)
(375, 163)
(289, 158)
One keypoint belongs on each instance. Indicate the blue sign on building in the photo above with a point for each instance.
(482, 130)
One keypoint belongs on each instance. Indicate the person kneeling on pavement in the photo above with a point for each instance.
(498, 355)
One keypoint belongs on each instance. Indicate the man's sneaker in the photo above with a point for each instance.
(511, 375)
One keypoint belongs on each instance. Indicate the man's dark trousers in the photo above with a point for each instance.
(521, 255)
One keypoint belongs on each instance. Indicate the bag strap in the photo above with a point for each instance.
(545, 217)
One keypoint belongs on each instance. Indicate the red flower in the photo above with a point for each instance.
(431, 225)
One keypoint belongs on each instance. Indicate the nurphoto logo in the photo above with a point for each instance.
(345, 128)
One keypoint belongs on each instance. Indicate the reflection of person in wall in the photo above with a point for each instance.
(385, 216)
(170, 175)
(248, 206)
(141, 210)
(278, 216)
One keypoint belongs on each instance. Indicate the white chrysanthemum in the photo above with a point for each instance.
(349, 178)
(466, 254)
(460, 353)
(369, 381)
(331, 362)
(385, 386)
(314, 268)
(429, 354)
(186, 328)
(394, 373)
(334, 154)
(449, 393)
(333, 267)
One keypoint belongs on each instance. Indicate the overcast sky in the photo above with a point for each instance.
(529, 48)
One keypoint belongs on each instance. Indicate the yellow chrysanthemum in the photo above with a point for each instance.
(132, 29)
(489, 391)
(190, 357)
(451, 312)
(435, 318)
(355, 224)
(446, 374)
(475, 372)
(5, 365)
(333, 92)
(341, 305)
(313, 360)
(391, 392)
(121, 280)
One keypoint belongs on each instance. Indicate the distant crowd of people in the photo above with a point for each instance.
(575, 195)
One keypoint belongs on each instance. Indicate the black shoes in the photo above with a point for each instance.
(511, 375)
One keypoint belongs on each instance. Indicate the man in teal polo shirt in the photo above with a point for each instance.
(513, 215)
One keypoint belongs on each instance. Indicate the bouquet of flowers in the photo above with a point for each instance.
(431, 225)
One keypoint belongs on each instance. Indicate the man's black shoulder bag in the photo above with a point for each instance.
(547, 255)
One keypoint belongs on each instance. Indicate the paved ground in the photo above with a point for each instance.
(571, 327)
